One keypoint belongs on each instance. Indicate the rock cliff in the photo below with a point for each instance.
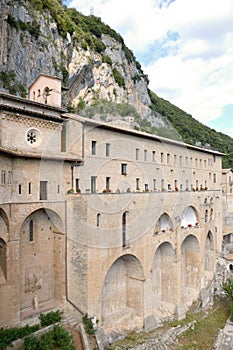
(31, 43)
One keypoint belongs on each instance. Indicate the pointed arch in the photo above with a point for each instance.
(190, 269)
(122, 293)
(164, 280)
(189, 217)
(164, 223)
(209, 255)
(41, 248)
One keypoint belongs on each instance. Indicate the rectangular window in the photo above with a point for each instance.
(153, 156)
(58, 188)
(205, 163)
(187, 185)
(146, 188)
(43, 190)
(3, 177)
(161, 157)
(169, 187)
(137, 154)
(93, 184)
(175, 159)
(210, 162)
(145, 155)
(214, 158)
(31, 231)
(20, 189)
(9, 177)
(162, 185)
(154, 185)
(214, 178)
(77, 189)
(123, 169)
(93, 148)
(137, 184)
(186, 161)
(168, 158)
(63, 137)
(107, 149)
(29, 188)
(180, 160)
(107, 183)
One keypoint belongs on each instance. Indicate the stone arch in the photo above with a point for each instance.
(3, 259)
(164, 223)
(209, 257)
(164, 280)
(4, 236)
(4, 225)
(189, 217)
(122, 294)
(190, 269)
(42, 259)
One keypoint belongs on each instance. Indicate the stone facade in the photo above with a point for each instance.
(116, 223)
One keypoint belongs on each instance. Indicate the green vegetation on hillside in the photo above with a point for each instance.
(193, 131)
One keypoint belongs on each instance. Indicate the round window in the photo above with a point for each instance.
(33, 138)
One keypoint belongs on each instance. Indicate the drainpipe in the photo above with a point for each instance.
(66, 266)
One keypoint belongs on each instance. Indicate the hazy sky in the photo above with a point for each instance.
(185, 47)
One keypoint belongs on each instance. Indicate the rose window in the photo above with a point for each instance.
(33, 138)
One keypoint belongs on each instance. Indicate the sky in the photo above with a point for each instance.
(185, 47)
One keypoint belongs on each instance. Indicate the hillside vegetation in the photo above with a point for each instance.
(193, 131)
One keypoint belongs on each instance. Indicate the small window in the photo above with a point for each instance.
(123, 169)
(154, 185)
(146, 187)
(58, 188)
(29, 188)
(93, 147)
(180, 160)
(168, 158)
(98, 220)
(31, 231)
(3, 177)
(206, 215)
(214, 158)
(107, 183)
(175, 159)
(77, 188)
(137, 184)
(124, 229)
(43, 190)
(20, 189)
(145, 155)
(9, 177)
(211, 214)
(214, 178)
(137, 154)
(153, 156)
(93, 184)
(161, 157)
(162, 185)
(107, 149)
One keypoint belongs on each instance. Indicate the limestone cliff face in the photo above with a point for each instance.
(30, 44)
